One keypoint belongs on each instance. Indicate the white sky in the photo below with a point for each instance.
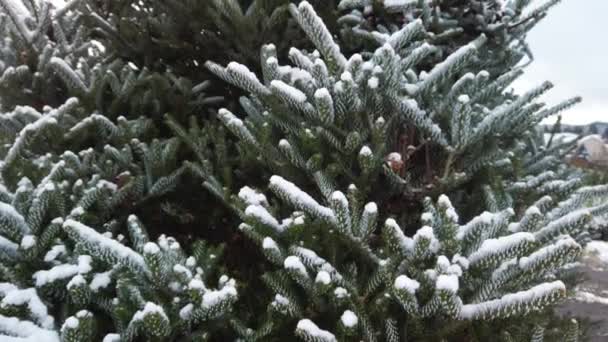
(571, 50)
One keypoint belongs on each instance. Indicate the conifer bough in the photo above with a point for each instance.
(393, 186)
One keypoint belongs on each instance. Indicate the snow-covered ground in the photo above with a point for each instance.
(598, 250)
(565, 137)
(591, 297)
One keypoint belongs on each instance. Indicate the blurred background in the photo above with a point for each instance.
(570, 49)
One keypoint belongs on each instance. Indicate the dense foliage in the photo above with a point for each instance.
(271, 170)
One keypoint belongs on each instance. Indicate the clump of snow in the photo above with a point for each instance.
(181, 269)
(339, 197)
(292, 262)
(365, 151)
(588, 297)
(500, 245)
(299, 220)
(70, 323)
(269, 243)
(150, 309)
(251, 197)
(323, 278)
(427, 233)
(29, 297)
(444, 202)
(373, 82)
(349, 319)
(406, 243)
(111, 338)
(280, 300)
(426, 217)
(186, 312)
(443, 263)
(28, 241)
(77, 280)
(54, 252)
(460, 260)
(464, 99)
(212, 298)
(25, 331)
(260, 213)
(371, 208)
(309, 256)
(151, 248)
(399, 5)
(322, 93)
(533, 210)
(100, 281)
(78, 211)
(340, 292)
(346, 77)
(479, 310)
(403, 282)
(64, 271)
(454, 270)
(447, 282)
(310, 329)
(196, 284)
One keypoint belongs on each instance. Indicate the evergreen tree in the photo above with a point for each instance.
(377, 180)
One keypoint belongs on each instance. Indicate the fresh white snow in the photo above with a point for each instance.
(599, 249)
(370, 208)
(340, 292)
(262, 215)
(29, 297)
(150, 309)
(15, 330)
(427, 233)
(310, 329)
(252, 197)
(299, 198)
(151, 248)
(186, 312)
(403, 282)
(100, 281)
(323, 277)
(365, 151)
(349, 319)
(588, 297)
(478, 310)
(105, 245)
(288, 91)
(63, 271)
(269, 243)
(292, 262)
(212, 298)
(447, 282)
(500, 245)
